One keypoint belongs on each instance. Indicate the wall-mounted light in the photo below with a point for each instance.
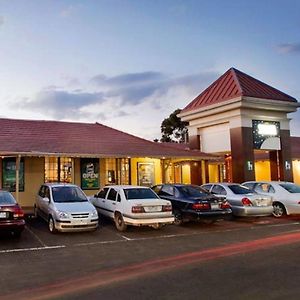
(267, 129)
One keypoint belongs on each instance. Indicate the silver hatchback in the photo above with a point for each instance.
(66, 208)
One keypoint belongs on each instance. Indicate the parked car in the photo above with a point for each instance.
(11, 214)
(243, 201)
(133, 205)
(66, 208)
(192, 203)
(286, 195)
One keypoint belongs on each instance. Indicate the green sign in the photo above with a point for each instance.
(9, 175)
(90, 173)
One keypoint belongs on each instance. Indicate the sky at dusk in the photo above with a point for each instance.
(129, 64)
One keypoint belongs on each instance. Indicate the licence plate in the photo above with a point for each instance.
(261, 203)
(214, 206)
(2, 215)
(152, 208)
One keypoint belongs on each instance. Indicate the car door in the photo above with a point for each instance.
(99, 201)
(111, 202)
(44, 201)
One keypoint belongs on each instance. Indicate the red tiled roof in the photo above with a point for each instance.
(235, 83)
(82, 139)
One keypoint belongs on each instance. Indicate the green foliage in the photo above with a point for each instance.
(173, 129)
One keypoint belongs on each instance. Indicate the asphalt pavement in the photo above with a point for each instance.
(240, 259)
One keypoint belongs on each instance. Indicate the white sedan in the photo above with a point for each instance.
(133, 205)
(286, 195)
(243, 201)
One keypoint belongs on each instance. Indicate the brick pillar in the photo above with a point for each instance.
(285, 157)
(273, 165)
(194, 142)
(242, 154)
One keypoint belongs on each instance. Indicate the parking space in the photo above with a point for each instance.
(37, 237)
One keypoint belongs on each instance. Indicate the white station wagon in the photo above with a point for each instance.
(133, 205)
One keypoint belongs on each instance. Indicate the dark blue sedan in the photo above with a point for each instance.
(192, 203)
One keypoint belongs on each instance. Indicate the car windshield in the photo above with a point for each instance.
(291, 187)
(192, 191)
(239, 189)
(139, 193)
(7, 198)
(68, 194)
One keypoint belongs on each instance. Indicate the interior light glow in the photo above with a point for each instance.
(267, 129)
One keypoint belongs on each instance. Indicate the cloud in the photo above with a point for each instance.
(289, 48)
(61, 104)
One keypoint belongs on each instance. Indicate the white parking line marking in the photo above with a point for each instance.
(41, 242)
(126, 238)
(32, 249)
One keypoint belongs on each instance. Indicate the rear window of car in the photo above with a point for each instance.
(239, 189)
(291, 187)
(7, 198)
(192, 191)
(68, 194)
(136, 193)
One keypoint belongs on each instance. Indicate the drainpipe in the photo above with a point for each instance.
(18, 160)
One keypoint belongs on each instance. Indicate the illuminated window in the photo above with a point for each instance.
(58, 169)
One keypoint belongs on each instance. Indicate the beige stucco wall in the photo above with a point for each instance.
(262, 170)
(157, 169)
(296, 171)
(34, 177)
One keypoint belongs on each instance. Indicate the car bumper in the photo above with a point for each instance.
(250, 211)
(293, 209)
(69, 226)
(192, 215)
(148, 222)
(12, 225)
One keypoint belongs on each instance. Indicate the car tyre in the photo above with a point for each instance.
(119, 222)
(51, 225)
(278, 210)
(178, 220)
(158, 226)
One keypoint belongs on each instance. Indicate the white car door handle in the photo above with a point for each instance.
(103, 201)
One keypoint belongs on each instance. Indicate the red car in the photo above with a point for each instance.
(11, 214)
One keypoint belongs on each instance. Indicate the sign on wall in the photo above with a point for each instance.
(266, 135)
(89, 173)
(146, 174)
(9, 175)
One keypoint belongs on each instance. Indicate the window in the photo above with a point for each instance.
(67, 194)
(167, 190)
(290, 187)
(9, 175)
(110, 170)
(112, 195)
(264, 188)
(239, 189)
(207, 187)
(58, 169)
(192, 191)
(139, 193)
(218, 190)
(102, 193)
(90, 173)
(6, 198)
(156, 189)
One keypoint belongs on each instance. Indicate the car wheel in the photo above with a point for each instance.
(178, 217)
(119, 221)
(278, 210)
(51, 225)
(17, 233)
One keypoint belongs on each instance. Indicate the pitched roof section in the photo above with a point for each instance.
(235, 83)
(82, 139)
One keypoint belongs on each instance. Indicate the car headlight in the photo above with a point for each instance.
(63, 215)
(94, 214)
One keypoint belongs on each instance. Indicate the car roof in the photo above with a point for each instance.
(57, 184)
(126, 186)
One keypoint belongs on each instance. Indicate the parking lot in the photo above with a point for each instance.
(36, 236)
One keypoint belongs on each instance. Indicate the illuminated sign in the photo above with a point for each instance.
(266, 135)
(267, 129)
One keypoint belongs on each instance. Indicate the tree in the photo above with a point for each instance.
(173, 129)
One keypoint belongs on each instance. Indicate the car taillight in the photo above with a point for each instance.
(137, 209)
(167, 208)
(201, 206)
(225, 205)
(246, 202)
(18, 212)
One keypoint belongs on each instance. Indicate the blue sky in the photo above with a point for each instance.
(129, 64)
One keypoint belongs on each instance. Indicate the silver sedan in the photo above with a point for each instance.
(243, 201)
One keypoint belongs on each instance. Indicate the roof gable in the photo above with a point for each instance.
(235, 83)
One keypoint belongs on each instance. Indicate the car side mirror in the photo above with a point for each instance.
(46, 199)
